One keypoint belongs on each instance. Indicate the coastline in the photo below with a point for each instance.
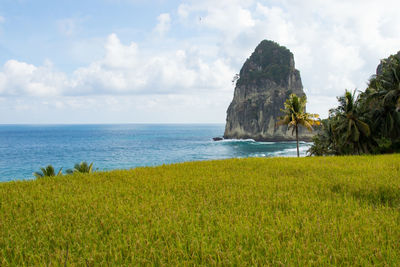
(28, 148)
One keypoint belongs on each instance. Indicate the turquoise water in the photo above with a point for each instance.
(26, 148)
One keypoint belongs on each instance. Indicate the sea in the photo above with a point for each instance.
(24, 149)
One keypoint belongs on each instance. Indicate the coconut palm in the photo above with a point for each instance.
(349, 127)
(324, 143)
(47, 172)
(82, 167)
(389, 82)
(295, 115)
(384, 94)
(369, 123)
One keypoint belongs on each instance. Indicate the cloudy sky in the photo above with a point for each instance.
(152, 61)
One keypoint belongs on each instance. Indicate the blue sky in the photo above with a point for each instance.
(34, 30)
(127, 61)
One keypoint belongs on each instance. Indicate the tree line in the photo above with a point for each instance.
(368, 123)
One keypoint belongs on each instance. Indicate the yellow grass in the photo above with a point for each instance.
(279, 211)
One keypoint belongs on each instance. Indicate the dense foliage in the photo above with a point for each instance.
(295, 115)
(269, 61)
(316, 211)
(369, 123)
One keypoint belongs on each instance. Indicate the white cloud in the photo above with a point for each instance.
(172, 108)
(337, 44)
(222, 19)
(123, 70)
(2, 19)
(119, 55)
(22, 79)
(183, 11)
(164, 24)
(126, 70)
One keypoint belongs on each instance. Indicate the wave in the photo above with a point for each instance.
(238, 141)
(265, 143)
(252, 141)
(291, 152)
(249, 140)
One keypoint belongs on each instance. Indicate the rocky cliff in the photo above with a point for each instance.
(265, 81)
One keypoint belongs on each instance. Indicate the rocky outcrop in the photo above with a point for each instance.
(265, 81)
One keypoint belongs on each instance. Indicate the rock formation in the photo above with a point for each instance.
(265, 81)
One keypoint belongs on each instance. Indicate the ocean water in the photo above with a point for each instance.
(26, 148)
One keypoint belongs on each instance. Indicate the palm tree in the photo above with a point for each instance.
(324, 143)
(295, 115)
(82, 167)
(383, 95)
(389, 81)
(349, 127)
(47, 172)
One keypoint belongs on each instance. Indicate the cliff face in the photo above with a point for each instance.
(266, 80)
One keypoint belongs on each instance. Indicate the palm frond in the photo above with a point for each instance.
(350, 125)
(91, 167)
(83, 167)
(356, 134)
(38, 174)
(283, 120)
(395, 75)
(363, 127)
(306, 124)
(47, 172)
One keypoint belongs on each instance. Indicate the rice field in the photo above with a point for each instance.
(259, 211)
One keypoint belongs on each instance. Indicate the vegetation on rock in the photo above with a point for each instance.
(270, 61)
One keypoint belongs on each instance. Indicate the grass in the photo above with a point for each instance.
(278, 211)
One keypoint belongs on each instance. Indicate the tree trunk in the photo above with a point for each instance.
(297, 139)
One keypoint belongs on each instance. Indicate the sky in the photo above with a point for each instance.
(166, 61)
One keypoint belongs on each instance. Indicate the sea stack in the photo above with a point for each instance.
(265, 81)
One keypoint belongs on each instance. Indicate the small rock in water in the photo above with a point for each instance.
(218, 138)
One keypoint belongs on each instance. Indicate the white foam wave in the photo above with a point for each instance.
(291, 152)
(265, 143)
(238, 140)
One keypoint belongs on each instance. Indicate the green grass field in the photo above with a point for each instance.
(278, 211)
